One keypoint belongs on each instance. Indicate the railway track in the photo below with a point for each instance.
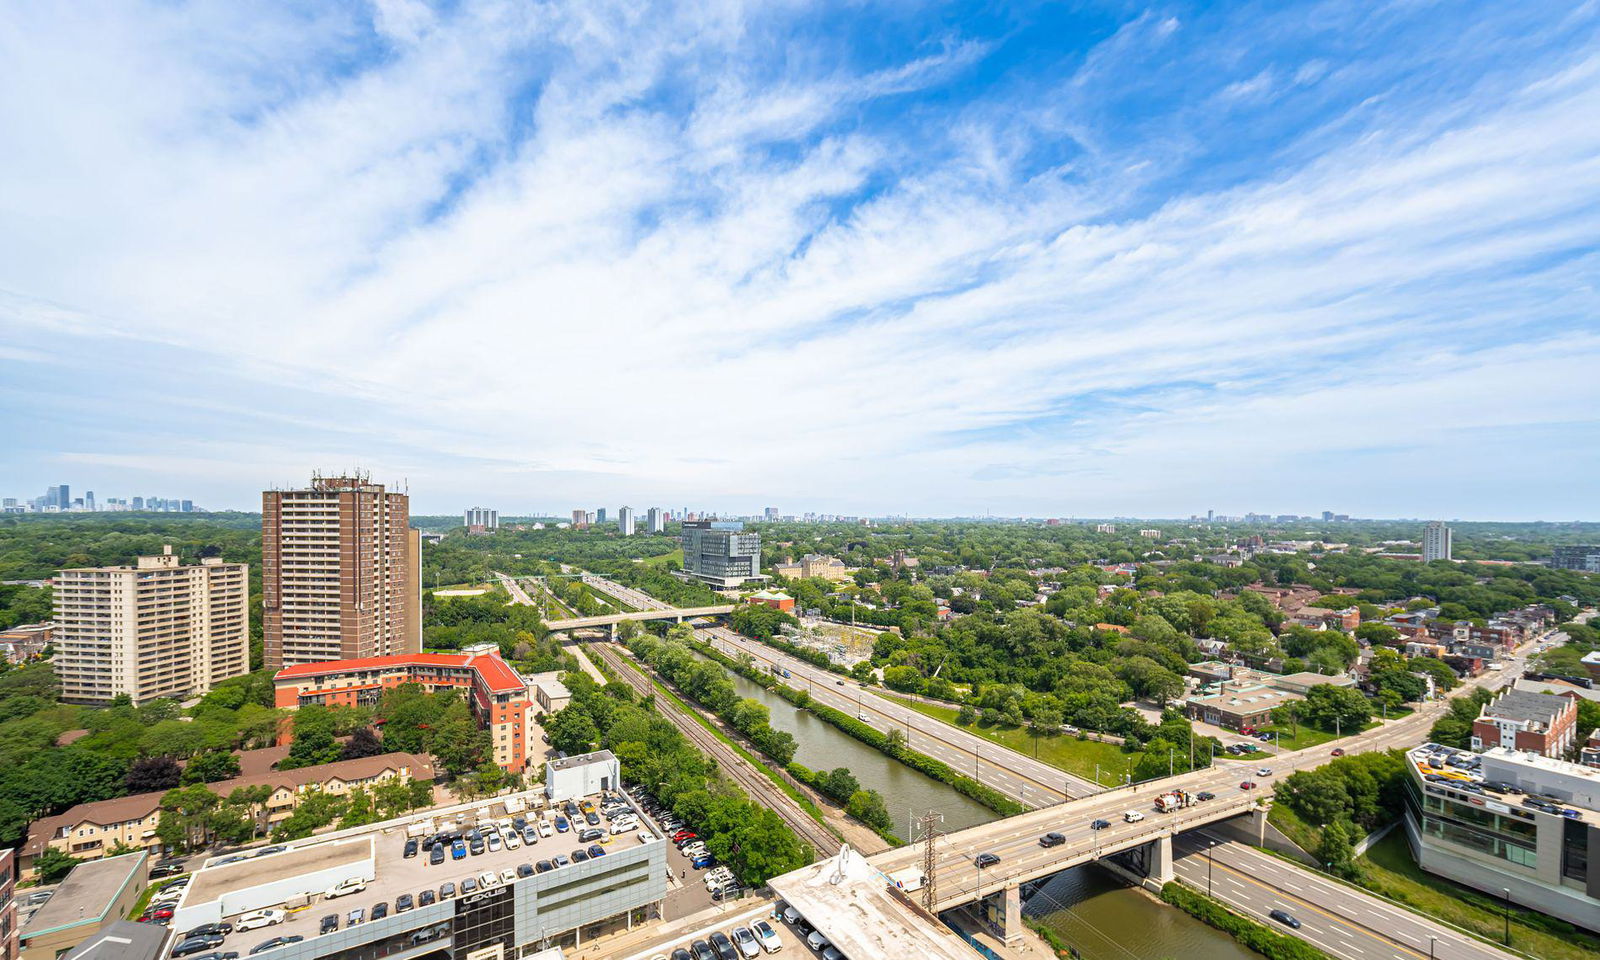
(731, 764)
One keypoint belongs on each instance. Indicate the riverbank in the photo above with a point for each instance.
(884, 743)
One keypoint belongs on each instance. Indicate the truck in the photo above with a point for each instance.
(911, 879)
(1173, 800)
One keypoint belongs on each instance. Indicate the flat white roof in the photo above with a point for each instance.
(855, 911)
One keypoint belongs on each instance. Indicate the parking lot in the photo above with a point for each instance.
(396, 874)
(663, 947)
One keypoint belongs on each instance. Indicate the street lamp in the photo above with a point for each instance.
(1507, 892)
(1209, 844)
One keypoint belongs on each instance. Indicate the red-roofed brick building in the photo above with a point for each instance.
(499, 698)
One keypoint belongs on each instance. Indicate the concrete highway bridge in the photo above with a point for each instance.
(678, 614)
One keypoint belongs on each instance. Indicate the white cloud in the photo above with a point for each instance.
(592, 247)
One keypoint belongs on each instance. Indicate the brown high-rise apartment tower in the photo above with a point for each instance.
(340, 571)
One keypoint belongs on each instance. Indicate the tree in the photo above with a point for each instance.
(839, 784)
(314, 740)
(53, 865)
(1336, 851)
(868, 807)
(966, 716)
(211, 767)
(362, 743)
(1336, 708)
(150, 774)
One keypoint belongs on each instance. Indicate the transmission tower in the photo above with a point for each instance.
(930, 832)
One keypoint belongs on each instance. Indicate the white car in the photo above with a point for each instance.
(1132, 816)
(513, 841)
(746, 942)
(345, 887)
(259, 918)
(766, 936)
(488, 878)
(545, 829)
(816, 941)
(623, 827)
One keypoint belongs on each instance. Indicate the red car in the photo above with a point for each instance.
(683, 835)
(1247, 785)
(1338, 751)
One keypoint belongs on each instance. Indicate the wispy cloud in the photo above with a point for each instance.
(573, 251)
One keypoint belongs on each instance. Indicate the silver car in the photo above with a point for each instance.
(746, 942)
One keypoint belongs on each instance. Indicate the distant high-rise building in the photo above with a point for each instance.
(600, 515)
(771, 514)
(155, 629)
(1577, 557)
(655, 521)
(138, 503)
(1210, 515)
(88, 499)
(1327, 515)
(719, 553)
(481, 519)
(580, 518)
(188, 506)
(64, 496)
(340, 572)
(625, 520)
(1435, 542)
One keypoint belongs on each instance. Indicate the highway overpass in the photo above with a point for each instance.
(678, 614)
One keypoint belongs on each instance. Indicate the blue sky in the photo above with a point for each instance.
(1043, 259)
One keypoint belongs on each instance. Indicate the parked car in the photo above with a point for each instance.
(702, 950)
(330, 923)
(447, 890)
(458, 850)
(543, 866)
(404, 902)
(274, 943)
(766, 936)
(580, 856)
(816, 941)
(165, 869)
(530, 835)
(411, 848)
(590, 835)
(380, 910)
(562, 826)
(193, 945)
(356, 916)
(985, 860)
(596, 851)
(724, 947)
(345, 887)
(701, 862)
(260, 918)
(468, 885)
(426, 898)
(207, 930)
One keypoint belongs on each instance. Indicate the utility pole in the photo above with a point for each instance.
(930, 832)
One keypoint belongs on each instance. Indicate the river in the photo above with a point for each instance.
(1086, 907)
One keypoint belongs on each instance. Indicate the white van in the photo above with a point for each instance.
(1132, 816)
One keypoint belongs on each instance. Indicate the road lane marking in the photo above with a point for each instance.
(1360, 928)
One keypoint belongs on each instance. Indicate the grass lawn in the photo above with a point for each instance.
(663, 560)
(1291, 739)
(1064, 752)
(1389, 870)
(1306, 836)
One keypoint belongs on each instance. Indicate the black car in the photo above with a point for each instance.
(1099, 824)
(517, 823)
(194, 945)
(579, 855)
(269, 851)
(543, 866)
(404, 902)
(411, 848)
(724, 947)
(1052, 839)
(217, 955)
(1286, 918)
(274, 944)
(681, 954)
(524, 869)
(475, 846)
(208, 930)
(593, 819)
(330, 923)
(437, 856)
(426, 898)
(379, 910)
(165, 870)
(985, 860)
(702, 950)
(1205, 795)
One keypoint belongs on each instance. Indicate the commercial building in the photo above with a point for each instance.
(1577, 557)
(340, 572)
(88, 830)
(569, 778)
(1237, 707)
(625, 521)
(155, 629)
(1435, 542)
(498, 697)
(600, 515)
(481, 519)
(655, 520)
(1518, 827)
(503, 902)
(93, 896)
(548, 691)
(720, 554)
(1541, 723)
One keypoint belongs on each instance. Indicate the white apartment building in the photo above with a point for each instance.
(625, 521)
(155, 629)
(482, 517)
(1435, 542)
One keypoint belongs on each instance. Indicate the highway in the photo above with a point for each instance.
(1335, 918)
(1015, 840)
(1017, 775)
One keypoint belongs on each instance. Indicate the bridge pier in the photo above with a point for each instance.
(1011, 928)
(1258, 824)
(613, 631)
(1161, 860)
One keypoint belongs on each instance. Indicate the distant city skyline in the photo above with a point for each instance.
(1019, 259)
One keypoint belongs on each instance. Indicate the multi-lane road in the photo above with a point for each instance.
(1337, 919)
(1032, 782)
